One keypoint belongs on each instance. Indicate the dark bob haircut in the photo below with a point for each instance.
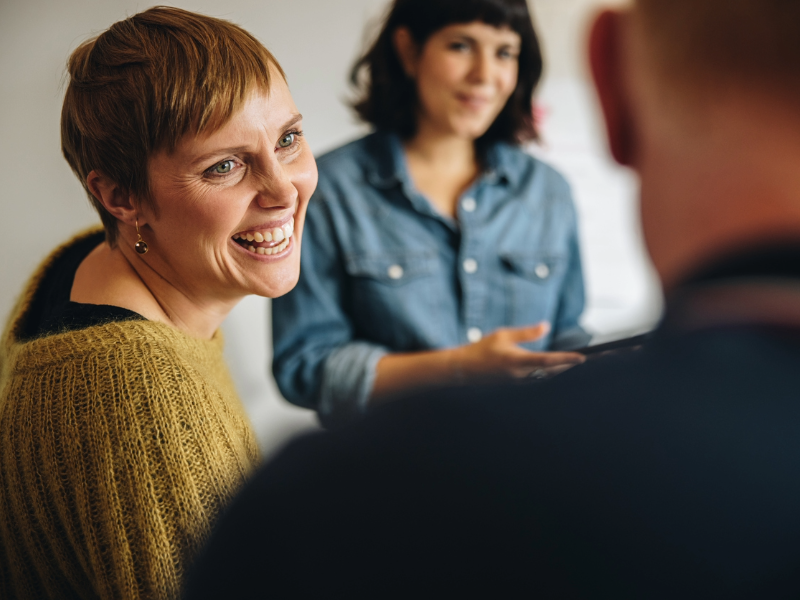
(388, 97)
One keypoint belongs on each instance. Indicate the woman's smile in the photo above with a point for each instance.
(267, 241)
(474, 102)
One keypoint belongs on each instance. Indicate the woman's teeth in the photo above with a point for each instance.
(272, 250)
(279, 236)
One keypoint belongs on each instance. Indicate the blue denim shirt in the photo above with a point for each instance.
(383, 271)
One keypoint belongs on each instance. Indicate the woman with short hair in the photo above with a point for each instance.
(436, 245)
(121, 434)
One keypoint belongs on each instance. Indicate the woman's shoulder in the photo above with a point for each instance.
(360, 160)
(353, 152)
(31, 301)
(116, 369)
(123, 349)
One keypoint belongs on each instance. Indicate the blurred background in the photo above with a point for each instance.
(316, 42)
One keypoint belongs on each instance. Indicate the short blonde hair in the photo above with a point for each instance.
(147, 81)
(733, 41)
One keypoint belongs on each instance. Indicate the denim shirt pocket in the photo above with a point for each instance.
(396, 298)
(533, 284)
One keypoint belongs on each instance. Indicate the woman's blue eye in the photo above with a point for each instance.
(223, 167)
(286, 140)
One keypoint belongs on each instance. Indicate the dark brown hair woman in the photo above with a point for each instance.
(121, 435)
(438, 246)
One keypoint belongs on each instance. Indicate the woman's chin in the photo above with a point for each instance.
(280, 279)
(279, 286)
(268, 275)
(471, 129)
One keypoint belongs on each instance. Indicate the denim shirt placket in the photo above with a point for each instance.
(473, 277)
(472, 274)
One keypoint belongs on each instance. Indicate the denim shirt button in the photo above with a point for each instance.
(469, 204)
(470, 265)
(474, 334)
(542, 271)
(395, 272)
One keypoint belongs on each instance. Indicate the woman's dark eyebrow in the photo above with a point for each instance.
(465, 38)
(468, 38)
(293, 120)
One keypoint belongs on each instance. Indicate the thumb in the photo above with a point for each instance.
(529, 333)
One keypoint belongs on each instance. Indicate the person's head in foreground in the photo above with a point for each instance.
(668, 473)
(121, 434)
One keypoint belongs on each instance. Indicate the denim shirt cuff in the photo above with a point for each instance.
(347, 380)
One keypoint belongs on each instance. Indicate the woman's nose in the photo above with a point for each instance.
(481, 68)
(276, 190)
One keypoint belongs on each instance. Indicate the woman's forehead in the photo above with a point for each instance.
(264, 117)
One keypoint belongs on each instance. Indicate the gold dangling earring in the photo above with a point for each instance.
(140, 246)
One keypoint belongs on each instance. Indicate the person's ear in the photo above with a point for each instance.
(119, 203)
(407, 50)
(608, 71)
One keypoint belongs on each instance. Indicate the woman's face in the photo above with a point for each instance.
(231, 204)
(465, 74)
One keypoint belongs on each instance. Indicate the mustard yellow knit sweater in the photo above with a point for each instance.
(119, 446)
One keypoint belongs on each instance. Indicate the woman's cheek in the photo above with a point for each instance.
(511, 81)
(305, 178)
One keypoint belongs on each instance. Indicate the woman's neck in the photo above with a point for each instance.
(107, 276)
(442, 166)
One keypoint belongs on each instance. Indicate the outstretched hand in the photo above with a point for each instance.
(498, 356)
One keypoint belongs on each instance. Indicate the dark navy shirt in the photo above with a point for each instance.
(383, 271)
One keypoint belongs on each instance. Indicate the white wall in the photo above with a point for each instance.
(42, 204)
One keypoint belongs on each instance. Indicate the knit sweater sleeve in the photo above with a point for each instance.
(115, 460)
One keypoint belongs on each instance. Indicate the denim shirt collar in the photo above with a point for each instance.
(388, 166)
(500, 165)
(385, 166)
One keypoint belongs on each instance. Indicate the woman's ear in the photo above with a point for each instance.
(119, 203)
(407, 50)
(608, 71)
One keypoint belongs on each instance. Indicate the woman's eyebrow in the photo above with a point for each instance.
(468, 38)
(293, 120)
(465, 37)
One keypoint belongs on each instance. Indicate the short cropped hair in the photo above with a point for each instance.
(147, 81)
(387, 97)
(707, 42)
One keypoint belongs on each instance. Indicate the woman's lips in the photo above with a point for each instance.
(473, 101)
(270, 241)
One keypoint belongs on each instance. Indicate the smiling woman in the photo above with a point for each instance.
(210, 192)
(437, 246)
(121, 435)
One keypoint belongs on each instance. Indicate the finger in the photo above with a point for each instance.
(529, 333)
(540, 372)
(553, 359)
(521, 358)
(557, 369)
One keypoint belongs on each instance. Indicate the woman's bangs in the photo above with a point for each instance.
(497, 13)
